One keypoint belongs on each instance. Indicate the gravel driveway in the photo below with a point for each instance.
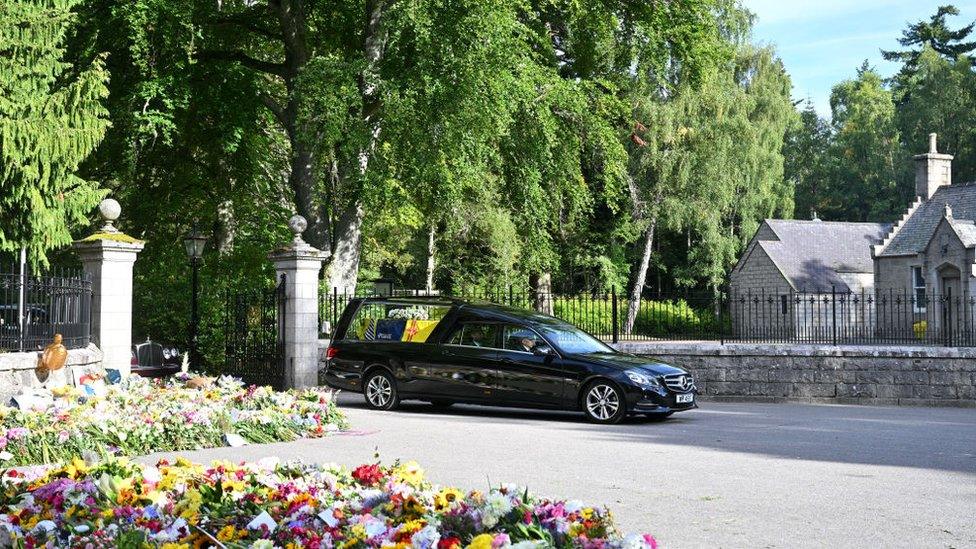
(726, 475)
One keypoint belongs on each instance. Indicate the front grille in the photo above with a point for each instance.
(680, 383)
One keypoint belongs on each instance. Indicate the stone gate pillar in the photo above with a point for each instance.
(108, 256)
(300, 264)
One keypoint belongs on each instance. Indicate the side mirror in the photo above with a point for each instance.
(543, 350)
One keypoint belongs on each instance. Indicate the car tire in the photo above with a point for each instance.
(603, 402)
(380, 391)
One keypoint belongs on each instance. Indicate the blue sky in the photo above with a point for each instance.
(824, 42)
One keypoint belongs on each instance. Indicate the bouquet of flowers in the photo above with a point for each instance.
(268, 504)
(409, 313)
(142, 416)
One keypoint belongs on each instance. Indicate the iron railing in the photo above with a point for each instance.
(35, 307)
(826, 317)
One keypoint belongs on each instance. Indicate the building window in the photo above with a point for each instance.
(918, 289)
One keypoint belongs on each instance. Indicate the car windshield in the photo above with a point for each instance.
(570, 339)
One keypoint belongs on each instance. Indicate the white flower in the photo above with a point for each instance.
(426, 538)
(498, 503)
(633, 541)
(262, 544)
(528, 545)
(574, 506)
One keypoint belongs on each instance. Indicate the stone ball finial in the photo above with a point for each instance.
(109, 209)
(297, 224)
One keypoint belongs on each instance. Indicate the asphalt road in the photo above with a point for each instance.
(726, 475)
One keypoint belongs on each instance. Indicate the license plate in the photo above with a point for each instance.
(684, 399)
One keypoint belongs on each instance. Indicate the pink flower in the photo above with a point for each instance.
(649, 539)
(15, 433)
(63, 437)
(500, 540)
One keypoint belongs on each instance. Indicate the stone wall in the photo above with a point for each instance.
(17, 370)
(919, 376)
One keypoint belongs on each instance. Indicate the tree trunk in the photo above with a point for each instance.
(302, 182)
(640, 277)
(344, 267)
(431, 251)
(226, 227)
(540, 286)
(347, 244)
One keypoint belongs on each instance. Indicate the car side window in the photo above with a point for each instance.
(520, 338)
(405, 322)
(474, 334)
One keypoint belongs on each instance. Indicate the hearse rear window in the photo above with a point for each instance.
(395, 322)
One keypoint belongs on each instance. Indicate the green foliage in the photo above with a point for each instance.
(806, 151)
(51, 118)
(710, 165)
(655, 318)
(940, 96)
(934, 34)
(668, 318)
(867, 149)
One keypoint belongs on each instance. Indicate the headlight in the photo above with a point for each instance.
(642, 379)
(166, 354)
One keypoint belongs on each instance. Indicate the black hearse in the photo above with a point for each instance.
(446, 350)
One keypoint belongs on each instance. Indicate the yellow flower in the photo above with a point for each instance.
(76, 469)
(175, 546)
(31, 522)
(412, 526)
(410, 473)
(587, 513)
(227, 533)
(447, 496)
(481, 542)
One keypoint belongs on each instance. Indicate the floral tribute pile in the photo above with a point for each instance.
(267, 504)
(142, 416)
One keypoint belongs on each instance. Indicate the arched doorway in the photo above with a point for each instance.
(949, 279)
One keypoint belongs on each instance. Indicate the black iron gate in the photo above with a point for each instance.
(254, 336)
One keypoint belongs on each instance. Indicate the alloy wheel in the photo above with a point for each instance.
(602, 402)
(379, 391)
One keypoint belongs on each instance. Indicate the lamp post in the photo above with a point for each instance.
(194, 244)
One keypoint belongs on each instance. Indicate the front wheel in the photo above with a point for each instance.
(603, 402)
(380, 391)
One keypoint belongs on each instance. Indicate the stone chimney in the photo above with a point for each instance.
(932, 170)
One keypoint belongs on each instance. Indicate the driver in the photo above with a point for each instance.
(477, 338)
(526, 343)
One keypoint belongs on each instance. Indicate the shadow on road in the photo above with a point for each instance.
(928, 438)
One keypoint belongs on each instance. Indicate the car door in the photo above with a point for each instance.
(525, 378)
(461, 368)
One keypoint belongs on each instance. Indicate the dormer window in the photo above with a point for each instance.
(918, 289)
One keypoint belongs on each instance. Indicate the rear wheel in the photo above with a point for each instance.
(603, 402)
(380, 391)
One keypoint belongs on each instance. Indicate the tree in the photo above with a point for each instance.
(934, 33)
(807, 166)
(709, 164)
(870, 174)
(51, 118)
(940, 97)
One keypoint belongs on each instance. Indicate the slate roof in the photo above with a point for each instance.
(966, 230)
(810, 254)
(914, 235)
